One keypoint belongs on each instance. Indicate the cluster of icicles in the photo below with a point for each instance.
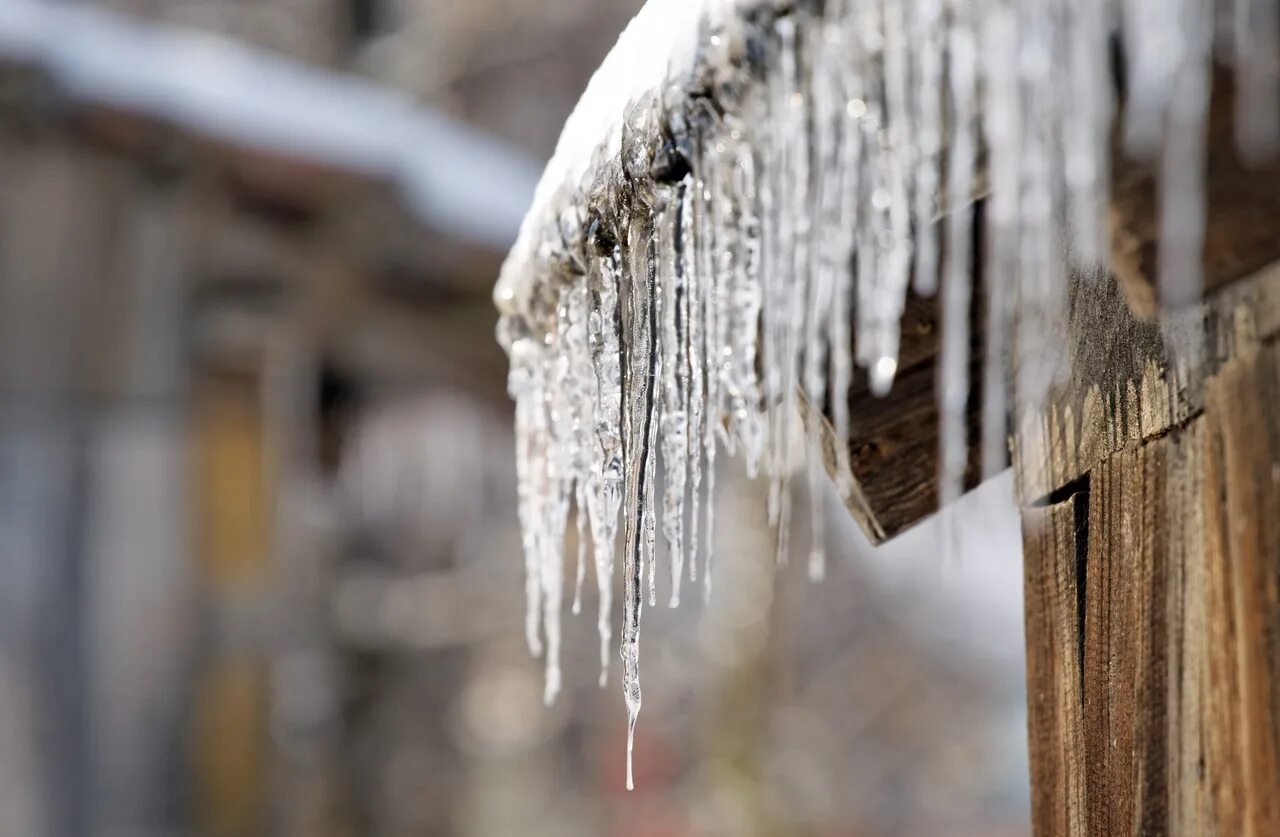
(747, 231)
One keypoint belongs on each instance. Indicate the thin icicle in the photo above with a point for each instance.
(640, 319)
(953, 379)
(848, 89)
(698, 277)
(581, 565)
(1182, 160)
(1001, 130)
(605, 336)
(523, 387)
(711, 520)
(1087, 134)
(716, 262)
(790, 104)
(1256, 45)
(928, 39)
(654, 407)
(580, 395)
(828, 109)
(745, 294)
(891, 200)
(675, 382)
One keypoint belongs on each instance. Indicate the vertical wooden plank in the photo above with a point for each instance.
(1151, 669)
(1177, 566)
(1187, 625)
(1052, 592)
(1241, 491)
(1125, 651)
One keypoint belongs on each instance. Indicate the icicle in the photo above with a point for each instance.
(711, 520)
(828, 109)
(1001, 130)
(1256, 44)
(637, 420)
(1039, 246)
(713, 250)
(555, 490)
(581, 564)
(523, 387)
(606, 355)
(953, 379)
(675, 382)
(929, 49)
(552, 576)
(891, 200)
(698, 277)
(1153, 46)
(1087, 136)
(847, 89)
(742, 377)
(582, 395)
(1182, 161)
(654, 406)
(791, 264)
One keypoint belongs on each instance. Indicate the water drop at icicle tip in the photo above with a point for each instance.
(882, 375)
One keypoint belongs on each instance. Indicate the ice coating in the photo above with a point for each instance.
(740, 205)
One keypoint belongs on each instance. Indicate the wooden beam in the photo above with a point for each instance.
(887, 472)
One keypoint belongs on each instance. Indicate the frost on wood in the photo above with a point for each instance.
(741, 202)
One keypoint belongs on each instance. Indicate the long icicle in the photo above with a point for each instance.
(675, 383)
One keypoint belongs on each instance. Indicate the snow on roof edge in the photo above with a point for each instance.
(659, 44)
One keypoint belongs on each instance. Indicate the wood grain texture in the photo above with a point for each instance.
(1054, 685)
(1124, 380)
(1241, 491)
(1166, 585)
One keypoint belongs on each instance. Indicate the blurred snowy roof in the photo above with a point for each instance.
(458, 180)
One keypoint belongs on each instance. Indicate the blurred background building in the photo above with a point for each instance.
(259, 573)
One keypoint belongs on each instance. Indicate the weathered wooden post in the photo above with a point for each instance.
(1150, 485)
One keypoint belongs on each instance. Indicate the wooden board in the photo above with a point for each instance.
(887, 471)
(1160, 575)
(1054, 648)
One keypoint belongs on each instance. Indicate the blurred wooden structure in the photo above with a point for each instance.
(172, 292)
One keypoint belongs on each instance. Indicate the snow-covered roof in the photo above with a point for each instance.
(457, 179)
